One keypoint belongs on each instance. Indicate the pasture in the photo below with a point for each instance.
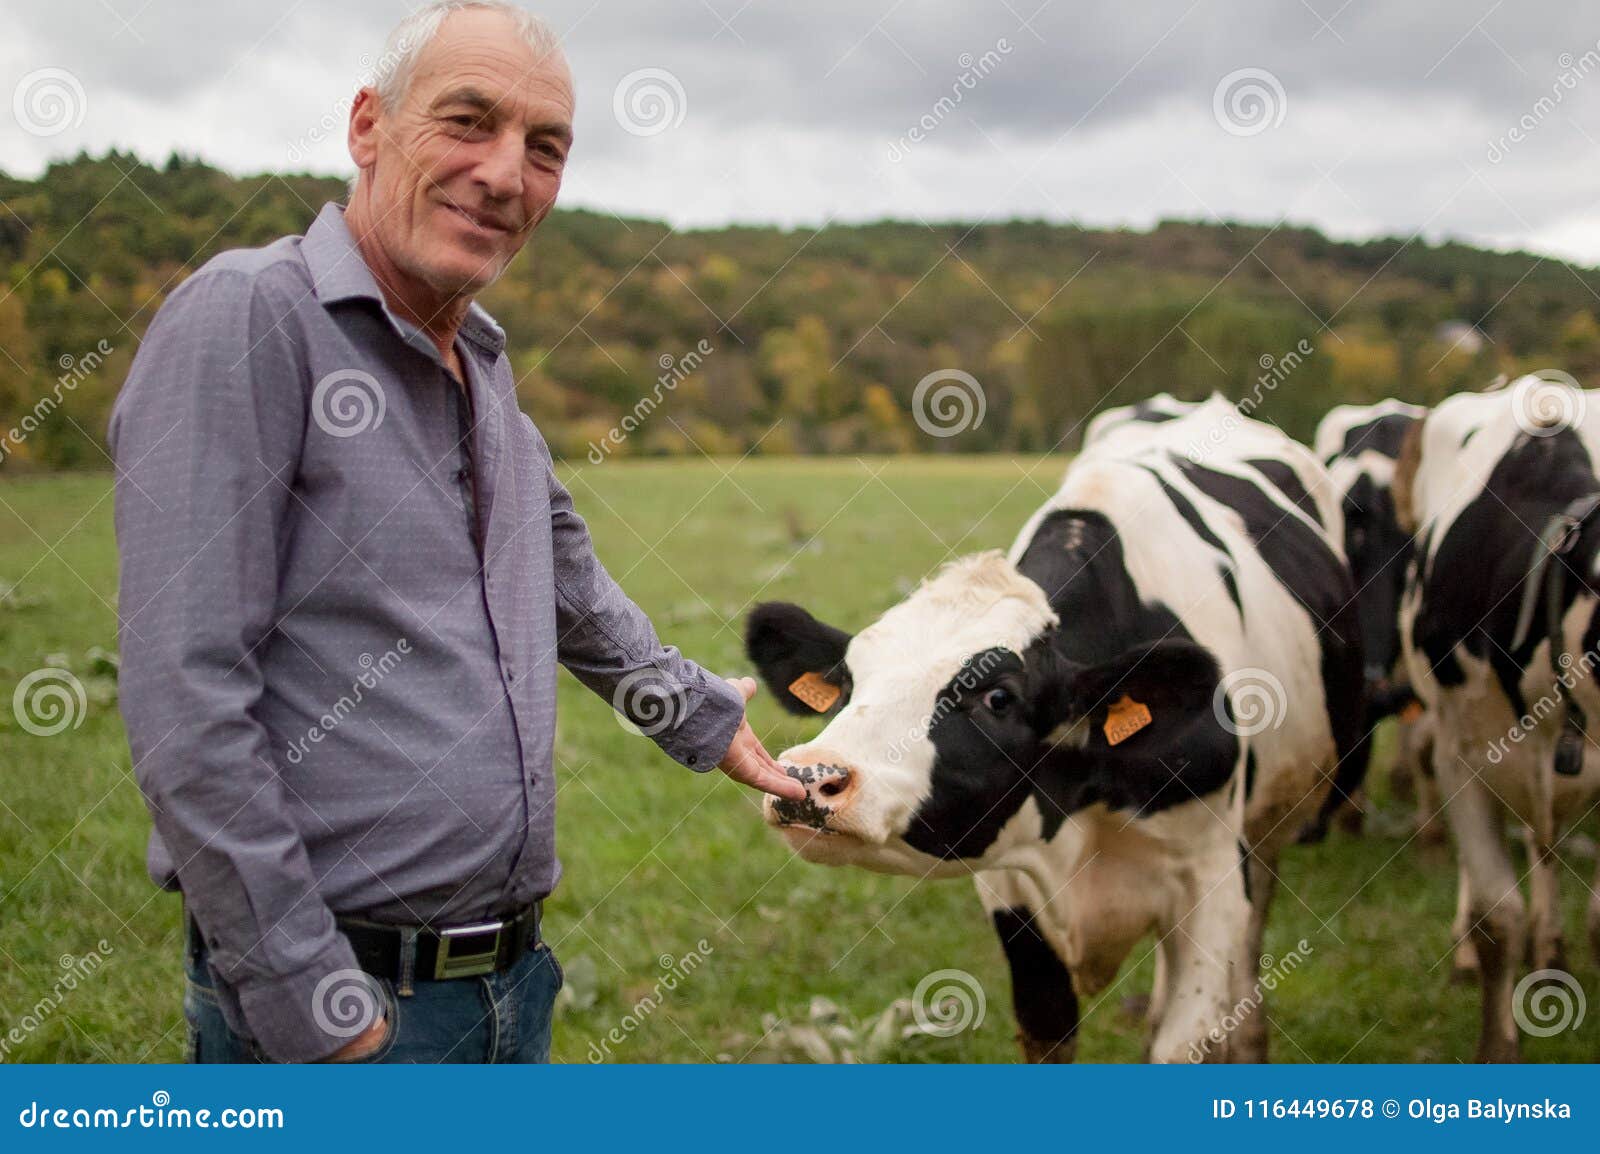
(658, 859)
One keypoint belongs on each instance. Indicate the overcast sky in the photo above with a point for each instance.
(1362, 117)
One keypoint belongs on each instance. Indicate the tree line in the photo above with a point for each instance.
(629, 338)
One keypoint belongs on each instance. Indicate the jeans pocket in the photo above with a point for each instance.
(391, 1014)
(555, 964)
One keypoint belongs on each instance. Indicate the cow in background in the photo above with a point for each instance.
(1360, 445)
(1115, 728)
(1500, 625)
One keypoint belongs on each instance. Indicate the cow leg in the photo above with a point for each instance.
(1464, 965)
(1495, 906)
(1207, 953)
(1249, 1040)
(1041, 989)
(1594, 916)
(1416, 753)
(1546, 942)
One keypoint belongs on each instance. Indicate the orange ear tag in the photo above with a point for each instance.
(815, 692)
(1126, 718)
(1412, 711)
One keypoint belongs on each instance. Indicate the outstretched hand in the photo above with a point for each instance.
(748, 761)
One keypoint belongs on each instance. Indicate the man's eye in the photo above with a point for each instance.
(999, 700)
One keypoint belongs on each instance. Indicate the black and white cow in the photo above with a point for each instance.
(1115, 728)
(1154, 410)
(1509, 683)
(1360, 445)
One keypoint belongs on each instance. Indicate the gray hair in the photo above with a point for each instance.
(397, 65)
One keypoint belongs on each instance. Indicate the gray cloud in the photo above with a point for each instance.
(1396, 118)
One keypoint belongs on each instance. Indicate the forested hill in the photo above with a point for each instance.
(814, 341)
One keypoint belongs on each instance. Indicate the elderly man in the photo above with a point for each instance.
(348, 573)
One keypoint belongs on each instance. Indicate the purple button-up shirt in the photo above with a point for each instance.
(344, 592)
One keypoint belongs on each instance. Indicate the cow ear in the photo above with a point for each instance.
(1165, 676)
(787, 643)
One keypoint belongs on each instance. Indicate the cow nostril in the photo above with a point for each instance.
(834, 786)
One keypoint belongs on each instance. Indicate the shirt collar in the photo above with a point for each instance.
(340, 273)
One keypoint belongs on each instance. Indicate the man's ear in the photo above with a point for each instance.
(787, 643)
(1169, 677)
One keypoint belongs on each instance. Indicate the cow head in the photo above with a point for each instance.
(1378, 550)
(959, 729)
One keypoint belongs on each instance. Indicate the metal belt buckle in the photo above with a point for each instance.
(467, 951)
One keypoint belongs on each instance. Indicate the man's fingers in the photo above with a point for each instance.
(780, 784)
(748, 686)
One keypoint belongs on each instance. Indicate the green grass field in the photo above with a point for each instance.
(658, 858)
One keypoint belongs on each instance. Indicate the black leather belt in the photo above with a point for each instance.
(465, 951)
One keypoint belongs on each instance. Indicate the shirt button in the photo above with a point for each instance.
(462, 475)
(693, 759)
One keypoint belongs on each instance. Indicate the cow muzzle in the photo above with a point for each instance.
(828, 787)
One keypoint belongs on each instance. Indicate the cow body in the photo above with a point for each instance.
(1156, 410)
(1360, 445)
(1479, 488)
(974, 728)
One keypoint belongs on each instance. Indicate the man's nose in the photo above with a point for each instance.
(830, 784)
(500, 171)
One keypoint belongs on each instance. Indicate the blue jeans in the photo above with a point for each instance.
(502, 1017)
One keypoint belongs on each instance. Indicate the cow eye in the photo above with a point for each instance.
(999, 700)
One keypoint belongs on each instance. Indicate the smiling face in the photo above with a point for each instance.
(456, 176)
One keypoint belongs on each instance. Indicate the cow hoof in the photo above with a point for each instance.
(1350, 819)
(1464, 975)
(1037, 1052)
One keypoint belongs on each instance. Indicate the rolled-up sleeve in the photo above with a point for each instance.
(207, 434)
(608, 644)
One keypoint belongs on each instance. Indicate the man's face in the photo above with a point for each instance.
(471, 160)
